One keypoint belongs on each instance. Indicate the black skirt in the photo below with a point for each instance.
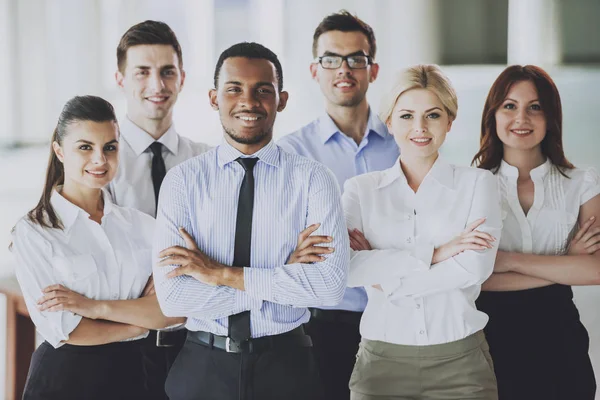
(111, 371)
(538, 344)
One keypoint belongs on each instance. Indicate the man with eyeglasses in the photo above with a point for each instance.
(350, 140)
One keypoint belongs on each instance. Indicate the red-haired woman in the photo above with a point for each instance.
(539, 346)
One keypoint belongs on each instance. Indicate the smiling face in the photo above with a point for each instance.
(151, 81)
(89, 153)
(248, 100)
(520, 120)
(419, 123)
(343, 87)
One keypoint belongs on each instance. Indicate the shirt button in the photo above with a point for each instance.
(421, 331)
(418, 306)
(115, 296)
(409, 217)
(409, 240)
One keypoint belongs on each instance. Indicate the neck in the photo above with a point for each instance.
(416, 168)
(89, 200)
(524, 160)
(351, 121)
(154, 127)
(248, 149)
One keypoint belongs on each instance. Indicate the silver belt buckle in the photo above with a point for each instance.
(227, 344)
(159, 341)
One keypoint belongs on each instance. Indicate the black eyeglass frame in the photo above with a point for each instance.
(318, 60)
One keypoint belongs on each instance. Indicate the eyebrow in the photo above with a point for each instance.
(431, 109)
(238, 83)
(356, 53)
(88, 142)
(532, 101)
(146, 67)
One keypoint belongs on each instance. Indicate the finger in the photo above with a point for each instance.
(52, 302)
(54, 287)
(306, 232)
(316, 250)
(310, 258)
(173, 250)
(59, 307)
(354, 244)
(590, 234)
(476, 240)
(173, 260)
(363, 241)
(189, 240)
(51, 295)
(593, 249)
(177, 272)
(483, 235)
(591, 242)
(472, 246)
(584, 228)
(312, 240)
(474, 225)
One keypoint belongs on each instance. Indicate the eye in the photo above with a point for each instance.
(264, 91)
(169, 72)
(434, 115)
(110, 147)
(141, 72)
(233, 89)
(509, 106)
(85, 147)
(536, 107)
(406, 116)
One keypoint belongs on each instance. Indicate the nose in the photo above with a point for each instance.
(249, 100)
(420, 125)
(344, 69)
(522, 115)
(98, 157)
(155, 82)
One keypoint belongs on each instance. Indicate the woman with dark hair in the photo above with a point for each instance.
(82, 264)
(539, 346)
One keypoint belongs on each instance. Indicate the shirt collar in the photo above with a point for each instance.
(140, 140)
(226, 154)
(513, 172)
(328, 128)
(68, 212)
(441, 172)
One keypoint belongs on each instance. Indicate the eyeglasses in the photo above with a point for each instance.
(354, 62)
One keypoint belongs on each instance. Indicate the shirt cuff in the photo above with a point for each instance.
(390, 286)
(424, 253)
(259, 282)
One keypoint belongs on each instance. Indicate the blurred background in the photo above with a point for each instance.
(55, 49)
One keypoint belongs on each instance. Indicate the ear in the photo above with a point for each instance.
(119, 79)
(374, 71)
(58, 151)
(283, 99)
(449, 126)
(212, 98)
(314, 67)
(182, 80)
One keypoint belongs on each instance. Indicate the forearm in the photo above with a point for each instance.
(144, 312)
(566, 270)
(370, 267)
(90, 332)
(511, 281)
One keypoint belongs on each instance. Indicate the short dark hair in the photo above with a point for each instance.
(147, 32)
(345, 22)
(250, 50)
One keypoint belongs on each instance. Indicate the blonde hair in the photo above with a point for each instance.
(422, 76)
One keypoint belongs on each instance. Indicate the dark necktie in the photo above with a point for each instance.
(158, 168)
(239, 324)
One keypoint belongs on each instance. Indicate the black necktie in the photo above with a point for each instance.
(158, 168)
(239, 324)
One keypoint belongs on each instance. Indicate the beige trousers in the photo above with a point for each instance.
(458, 370)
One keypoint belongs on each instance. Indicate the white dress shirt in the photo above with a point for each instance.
(547, 227)
(132, 186)
(421, 304)
(107, 261)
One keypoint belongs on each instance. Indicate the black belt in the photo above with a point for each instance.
(170, 338)
(341, 316)
(293, 338)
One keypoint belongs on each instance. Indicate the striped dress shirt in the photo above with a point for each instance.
(291, 193)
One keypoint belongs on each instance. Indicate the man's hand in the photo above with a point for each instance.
(586, 241)
(307, 250)
(469, 239)
(60, 298)
(192, 262)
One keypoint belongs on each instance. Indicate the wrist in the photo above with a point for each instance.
(102, 309)
(232, 277)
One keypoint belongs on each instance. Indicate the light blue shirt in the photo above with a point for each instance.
(291, 193)
(321, 140)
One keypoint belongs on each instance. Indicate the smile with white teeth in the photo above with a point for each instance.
(156, 99)
(421, 140)
(97, 173)
(248, 118)
(521, 131)
(344, 84)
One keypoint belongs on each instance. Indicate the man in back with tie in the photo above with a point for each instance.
(150, 74)
(227, 222)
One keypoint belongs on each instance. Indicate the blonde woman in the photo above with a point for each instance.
(425, 235)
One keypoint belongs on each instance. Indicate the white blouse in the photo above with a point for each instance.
(547, 227)
(421, 304)
(107, 261)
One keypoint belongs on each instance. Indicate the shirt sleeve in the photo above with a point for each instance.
(591, 185)
(371, 267)
(469, 268)
(184, 296)
(310, 285)
(34, 272)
